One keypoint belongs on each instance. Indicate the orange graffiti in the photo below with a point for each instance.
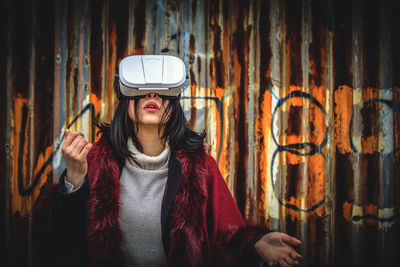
(19, 203)
(343, 99)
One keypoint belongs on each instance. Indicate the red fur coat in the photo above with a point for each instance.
(201, 224)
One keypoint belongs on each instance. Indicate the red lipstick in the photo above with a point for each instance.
(151, 106)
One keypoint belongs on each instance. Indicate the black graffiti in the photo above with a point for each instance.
(27, 191)
(373, 217)
(395, 106)
(309, 147)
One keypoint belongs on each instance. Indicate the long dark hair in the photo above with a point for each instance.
(176, 130)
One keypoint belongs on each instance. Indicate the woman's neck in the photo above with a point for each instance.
(150, 140)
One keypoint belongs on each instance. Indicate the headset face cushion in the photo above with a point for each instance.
(140, 75)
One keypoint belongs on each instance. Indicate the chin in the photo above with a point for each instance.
(150, 122)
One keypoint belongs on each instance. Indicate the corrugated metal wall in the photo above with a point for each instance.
(300, 101)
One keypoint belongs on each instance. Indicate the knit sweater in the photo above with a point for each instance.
(143, 182)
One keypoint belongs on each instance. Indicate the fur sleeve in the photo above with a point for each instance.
(58, 226)
(42, 228)
(228, 232)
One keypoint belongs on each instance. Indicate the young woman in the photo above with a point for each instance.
(147, 194)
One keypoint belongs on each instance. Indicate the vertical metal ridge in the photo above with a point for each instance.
(184, 23)
(205, 77)
(9, 145)
(31, 95)
(330, 192)
(307, 250)
(104, 77)
(263, 129)
(31, 123)
(256, 88)
(283, 90)
(385, 139)
(229, 97)
(240, 49)
(357, 64)
(277, 38)
(84, 94)
(60, 53)
(73, 54)
(213, 48)
(252, 114)
(131, 28)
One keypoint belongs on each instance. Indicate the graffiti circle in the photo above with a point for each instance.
(391, 107)
(301, 149)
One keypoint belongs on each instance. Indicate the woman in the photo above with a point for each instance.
(147, 194)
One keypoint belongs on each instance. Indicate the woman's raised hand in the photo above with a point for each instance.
(276, 249)
(75, 150)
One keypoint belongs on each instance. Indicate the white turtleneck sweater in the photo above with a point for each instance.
(143, 180)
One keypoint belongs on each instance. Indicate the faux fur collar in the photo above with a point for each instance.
(186, 218)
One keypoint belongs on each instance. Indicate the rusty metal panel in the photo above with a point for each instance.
(300, 101)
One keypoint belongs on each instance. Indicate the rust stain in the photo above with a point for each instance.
(343, 108)
(293, 43)
(317, 122)
(112, 62)
(193, 80)
(264, 131)
(241, 66)
(223, 161)
(140, 26)
(217, 64)
(96, 50)
(217, 121)
(316, 182)
(347, 210)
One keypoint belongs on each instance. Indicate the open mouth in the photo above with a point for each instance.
(151, 106)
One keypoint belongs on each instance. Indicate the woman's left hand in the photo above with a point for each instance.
(276, 249)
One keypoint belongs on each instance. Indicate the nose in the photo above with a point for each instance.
(152, 95)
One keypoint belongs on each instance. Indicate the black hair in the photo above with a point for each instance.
(176, 131)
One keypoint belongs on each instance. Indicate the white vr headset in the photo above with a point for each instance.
(140, 75)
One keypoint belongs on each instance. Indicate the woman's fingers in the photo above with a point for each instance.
(294, 255)
(70, 137)
(283, 263)
(85, 151)
(75, 143)
(291, 240)
(81, 144)
(277, 247)
(289, 261)
(71, 143)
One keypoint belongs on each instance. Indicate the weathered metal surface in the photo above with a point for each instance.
(300, 101)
